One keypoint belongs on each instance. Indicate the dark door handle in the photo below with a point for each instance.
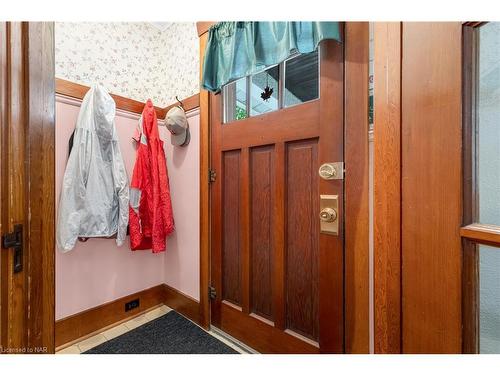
(14, 240)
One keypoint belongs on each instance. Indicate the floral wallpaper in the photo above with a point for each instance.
(138, 60)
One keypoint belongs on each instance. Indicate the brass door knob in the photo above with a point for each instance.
(328, 215)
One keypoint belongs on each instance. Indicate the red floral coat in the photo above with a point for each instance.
(151, 218)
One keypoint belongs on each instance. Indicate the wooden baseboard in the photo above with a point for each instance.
(89, 321)
(182, 303)
(96, 319)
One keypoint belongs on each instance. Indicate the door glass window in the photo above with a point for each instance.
(264, 91)
(488, 180)
(301, 79)
(483, 125)
(235, 100)
(488, 124)
(290, 83)
(489, 297)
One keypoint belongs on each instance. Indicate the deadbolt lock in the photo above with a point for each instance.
(328, 214)
(331, 171)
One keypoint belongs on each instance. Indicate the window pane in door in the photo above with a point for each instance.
(489, 299)
(301, 79)
(488, 124)
(264, 91)
(235, 100)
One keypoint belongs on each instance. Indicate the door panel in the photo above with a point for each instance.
(231, 288)
(279, 281)
(302, 235)
(261, 212)
(250, 131)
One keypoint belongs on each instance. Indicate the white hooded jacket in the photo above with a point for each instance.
(95, 195)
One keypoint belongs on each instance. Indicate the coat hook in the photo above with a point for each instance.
(177, 98)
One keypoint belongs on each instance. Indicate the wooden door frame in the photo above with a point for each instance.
(28, 104)
(356, 314)
(470, 311)
(387, 187)
(405, 307)
(387, 240)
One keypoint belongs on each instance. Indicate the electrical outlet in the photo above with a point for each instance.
(132, 305)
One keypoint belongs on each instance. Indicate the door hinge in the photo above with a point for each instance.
(212, 293)
(212, 175)
(14, 240)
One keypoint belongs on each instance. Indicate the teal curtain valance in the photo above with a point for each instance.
(238, 49)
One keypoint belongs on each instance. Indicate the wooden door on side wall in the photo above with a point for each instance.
(276, 273)
(27, 187)
(12, 187)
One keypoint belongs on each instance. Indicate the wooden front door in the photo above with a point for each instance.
(278, 279)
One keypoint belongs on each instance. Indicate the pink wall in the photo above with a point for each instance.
(97, 271)
(182, 260)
